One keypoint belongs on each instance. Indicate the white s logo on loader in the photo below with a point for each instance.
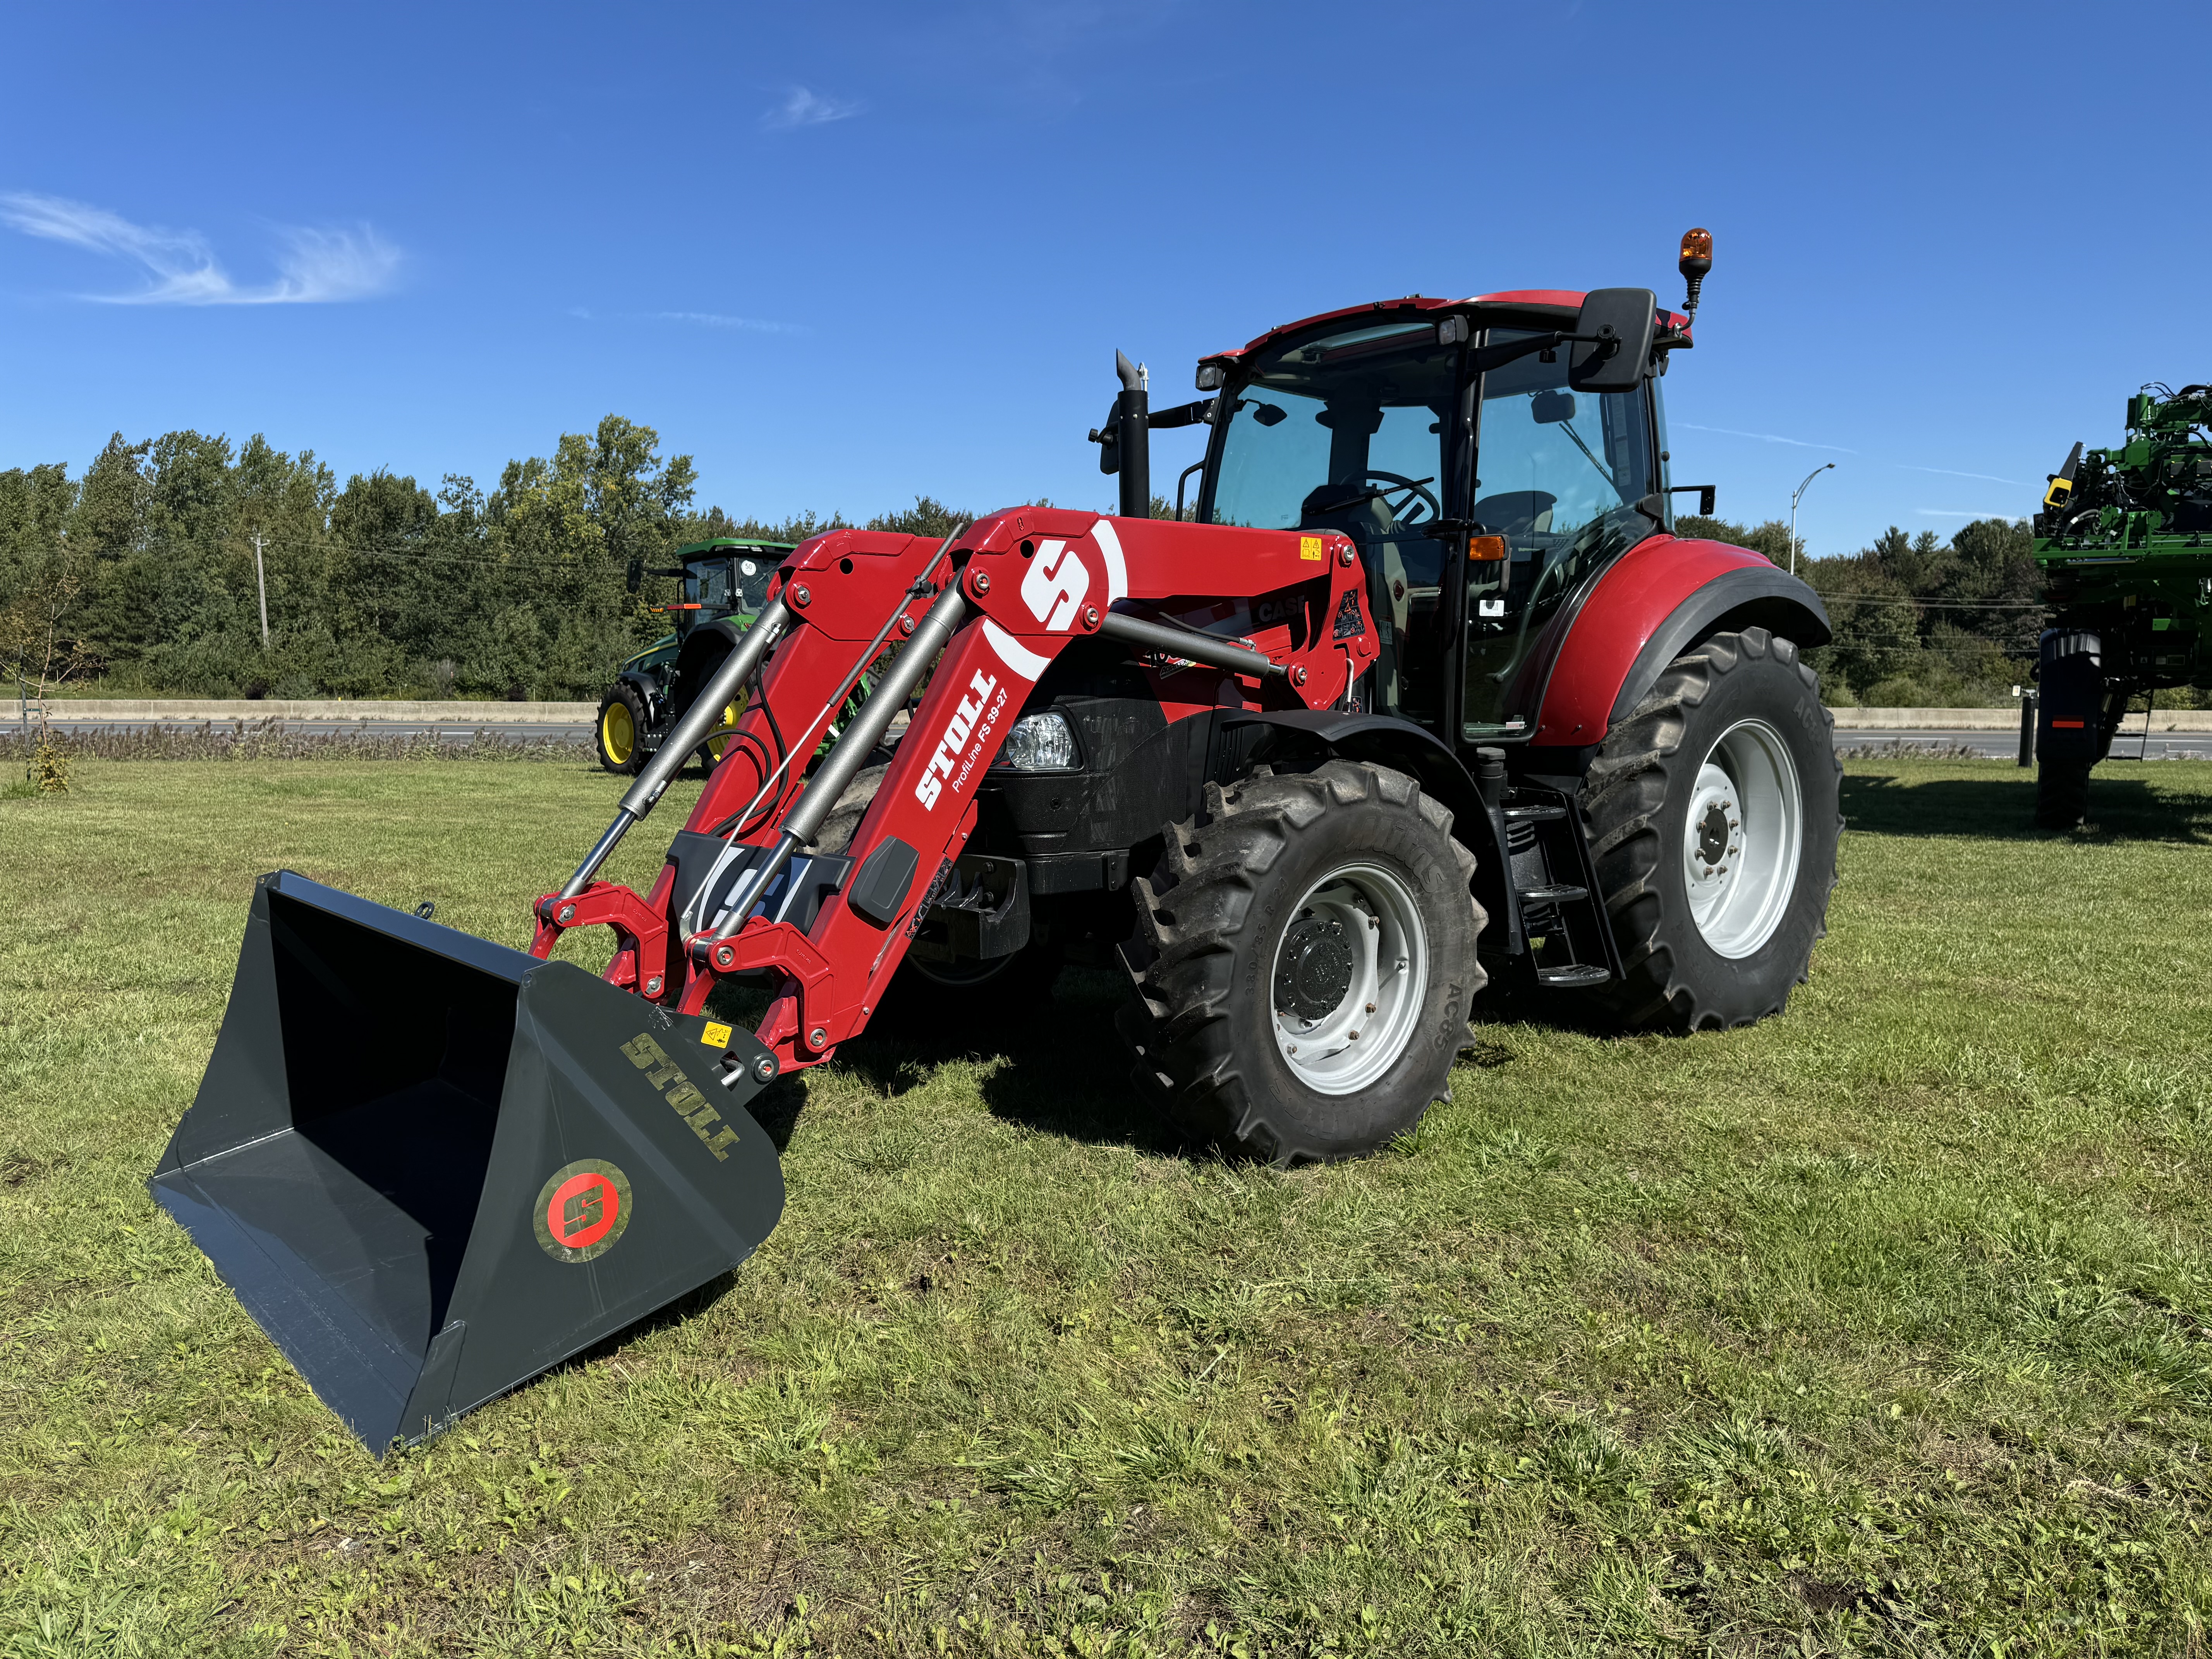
(1055, 584)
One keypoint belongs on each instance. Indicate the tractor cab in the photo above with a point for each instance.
(1487, 475)
(724, 588)
(725, 577)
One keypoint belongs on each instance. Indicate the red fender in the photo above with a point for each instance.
(1654, 602)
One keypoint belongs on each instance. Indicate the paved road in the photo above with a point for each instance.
(2003, 745)
(380, 728)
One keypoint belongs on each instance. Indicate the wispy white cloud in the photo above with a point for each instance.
(1763, 437)
(1986, 478)
(715, 319)
(315, 266)
(1954, 513)
(802, 108)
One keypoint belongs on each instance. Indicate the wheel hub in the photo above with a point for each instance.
(1713, 833)
(1314, 972)
(1351, 973)
(1742, 839)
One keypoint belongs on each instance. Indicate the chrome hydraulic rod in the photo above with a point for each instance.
(1187, 643)
(720, 691)
(853, 677)
(844, 762)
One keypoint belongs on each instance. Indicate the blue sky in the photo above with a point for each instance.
(845, 254)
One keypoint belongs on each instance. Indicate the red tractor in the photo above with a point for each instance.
(1426, 696)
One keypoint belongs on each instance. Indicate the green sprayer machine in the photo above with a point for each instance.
(2127, 572)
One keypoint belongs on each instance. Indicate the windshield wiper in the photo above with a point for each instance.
(1567, 427)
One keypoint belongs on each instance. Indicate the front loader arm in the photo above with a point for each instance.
(1016, 588)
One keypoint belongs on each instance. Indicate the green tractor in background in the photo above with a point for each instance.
(2127, 572)
(725, 586)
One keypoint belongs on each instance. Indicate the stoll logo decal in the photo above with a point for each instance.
(582, 1210)
(1055, 584)
(957, 731)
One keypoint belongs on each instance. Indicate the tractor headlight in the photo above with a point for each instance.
(1040, 743)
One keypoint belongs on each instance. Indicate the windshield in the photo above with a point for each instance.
(1347, 432)
(725, 582)
(1320, 420)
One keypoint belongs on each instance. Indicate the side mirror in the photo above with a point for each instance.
(1614, 355)
(1550, 408)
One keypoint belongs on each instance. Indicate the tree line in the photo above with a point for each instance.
(536, 589)
(1920, 622)
(143, 567)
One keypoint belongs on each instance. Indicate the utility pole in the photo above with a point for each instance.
(261, 581)
(1798, 496)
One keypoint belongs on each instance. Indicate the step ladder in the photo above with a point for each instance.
(1557, 933)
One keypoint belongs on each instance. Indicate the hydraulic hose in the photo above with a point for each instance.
(844, 762)
(721, 690)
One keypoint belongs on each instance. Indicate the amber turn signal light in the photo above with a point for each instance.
(1485, 549)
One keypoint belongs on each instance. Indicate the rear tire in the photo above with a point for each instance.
(1713, 814)
(620, 730)
(2062, 794)
(1270, 933)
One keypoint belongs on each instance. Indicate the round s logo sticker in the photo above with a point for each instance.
(582, 1210)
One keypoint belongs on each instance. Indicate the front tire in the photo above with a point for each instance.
(1299, 916)
(620, 731)
(1713, 814)
(2062, 794)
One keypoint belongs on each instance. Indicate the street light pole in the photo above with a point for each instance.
(262, 582)
(1797, 495)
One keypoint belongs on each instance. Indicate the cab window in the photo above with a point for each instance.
(1557, 475)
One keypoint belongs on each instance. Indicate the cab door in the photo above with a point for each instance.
(1557, 474)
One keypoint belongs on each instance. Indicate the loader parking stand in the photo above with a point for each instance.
(1451, 712)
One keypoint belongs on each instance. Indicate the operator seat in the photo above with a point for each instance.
(1517, 514)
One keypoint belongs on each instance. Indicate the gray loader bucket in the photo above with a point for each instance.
(432, 1167)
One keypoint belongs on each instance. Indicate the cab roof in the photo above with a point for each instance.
(713, 543)
(1540, 305)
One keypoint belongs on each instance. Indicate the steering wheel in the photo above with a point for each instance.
(1415, 488)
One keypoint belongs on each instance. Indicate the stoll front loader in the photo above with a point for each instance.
(1427, 695)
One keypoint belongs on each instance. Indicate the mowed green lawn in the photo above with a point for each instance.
(1884, 1325)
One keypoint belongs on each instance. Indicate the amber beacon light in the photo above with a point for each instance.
(1697, 260)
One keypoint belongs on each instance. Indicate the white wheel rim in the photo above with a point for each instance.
(1370, 913)
(1742, 839)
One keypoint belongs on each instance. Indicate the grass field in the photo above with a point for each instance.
(1883, 1326)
